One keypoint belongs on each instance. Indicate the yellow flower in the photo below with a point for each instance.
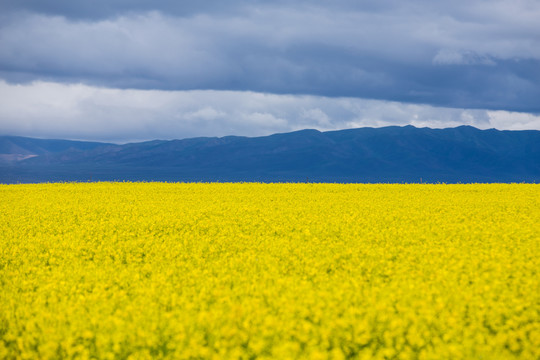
(288, 271)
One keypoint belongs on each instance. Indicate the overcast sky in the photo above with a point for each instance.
(130, 70)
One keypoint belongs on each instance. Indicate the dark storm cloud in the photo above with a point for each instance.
(101, 9)
(467, 54)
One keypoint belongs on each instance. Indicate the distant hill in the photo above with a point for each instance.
(16, 148)
(389, 154)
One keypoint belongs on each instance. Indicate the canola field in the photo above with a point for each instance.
(269, 271)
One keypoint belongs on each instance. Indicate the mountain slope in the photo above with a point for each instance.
(391, 154)
(16, 148)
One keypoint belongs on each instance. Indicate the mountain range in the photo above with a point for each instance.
(388, 154)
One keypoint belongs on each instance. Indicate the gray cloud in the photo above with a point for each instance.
(466, 54)
(76, 111)
(104, 9)
(451, 57)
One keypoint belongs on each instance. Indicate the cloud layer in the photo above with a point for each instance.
(464, 54)
(83, 112)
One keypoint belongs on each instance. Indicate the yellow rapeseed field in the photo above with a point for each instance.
(227, 271)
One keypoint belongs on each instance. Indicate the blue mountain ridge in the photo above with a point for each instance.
(388, 154)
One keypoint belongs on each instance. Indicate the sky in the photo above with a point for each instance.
(133, 70)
